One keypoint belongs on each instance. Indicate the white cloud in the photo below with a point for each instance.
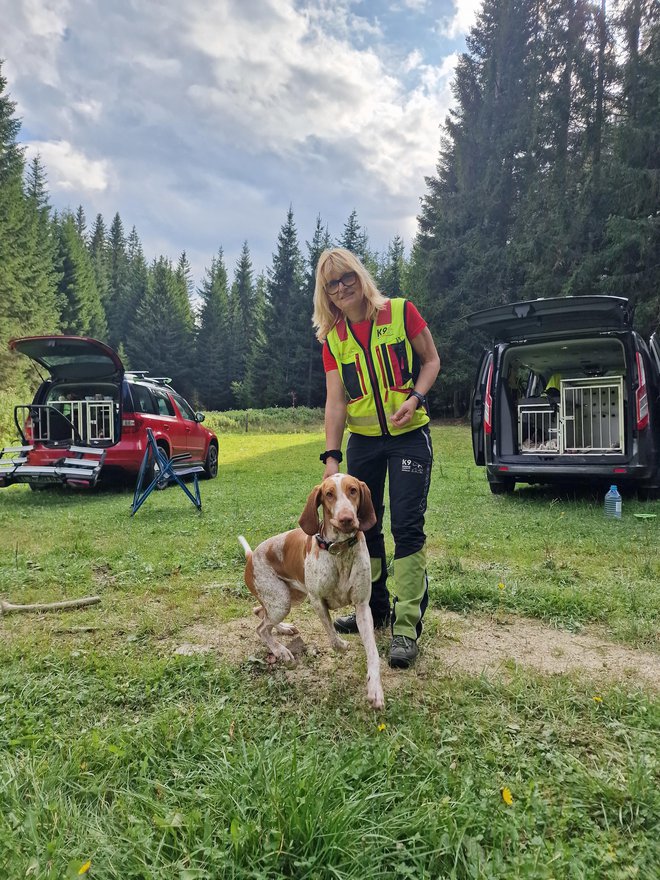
(288, 83)
(412, 61)
(465, 15)
(201, 124)
(415, 5)
(68, 168)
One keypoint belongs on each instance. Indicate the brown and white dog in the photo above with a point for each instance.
(328, 562)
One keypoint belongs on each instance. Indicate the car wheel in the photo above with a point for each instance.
(502, 487)
(211, 463)
(153, 469)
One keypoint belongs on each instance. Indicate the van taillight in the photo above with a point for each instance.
(131, 425)
(27, 430)
(641, 396)
(488, 404)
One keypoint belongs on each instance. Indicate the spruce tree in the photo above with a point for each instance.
(257, 373)
(42, 277)
(158, 340)
(391, 275)
(286, 354)
(314, 394)
(243, 303)
(81, 309)
(212, 366)
(13, 239)
(118, 292)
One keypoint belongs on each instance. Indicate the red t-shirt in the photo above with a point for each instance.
(362, 329)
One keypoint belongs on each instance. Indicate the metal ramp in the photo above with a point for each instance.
(80, 466)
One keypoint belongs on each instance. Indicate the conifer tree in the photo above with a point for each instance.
(138, 274)
(629, 263)
(82, 312)
(212, 366)
(158, 340)
(98, 249)
(390, 277)
(257, 373)
(41, 280)
(243, 302)
(118, 293)
(314, 394)
(12, 237)
(356, 240)
(286, 354)
(81, 223)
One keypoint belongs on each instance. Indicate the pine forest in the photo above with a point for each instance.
(547, 184)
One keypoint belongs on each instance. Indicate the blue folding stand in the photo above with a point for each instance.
(164, 473)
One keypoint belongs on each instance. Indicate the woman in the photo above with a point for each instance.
(380, 362)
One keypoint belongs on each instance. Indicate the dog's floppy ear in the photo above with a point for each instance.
(309, 518)
(366, 513)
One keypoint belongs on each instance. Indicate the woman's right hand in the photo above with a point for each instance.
(331, 467)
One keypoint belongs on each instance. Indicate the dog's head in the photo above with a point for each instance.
(347, 505)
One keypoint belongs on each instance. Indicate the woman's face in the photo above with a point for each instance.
(343, 288)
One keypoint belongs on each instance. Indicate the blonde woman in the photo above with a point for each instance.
(380, 362)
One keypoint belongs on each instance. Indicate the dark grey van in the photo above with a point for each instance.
(567, 392)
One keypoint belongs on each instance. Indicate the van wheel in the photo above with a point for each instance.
(211, 463)
(502, 487)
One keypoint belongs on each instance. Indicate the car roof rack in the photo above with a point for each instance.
(144, 374)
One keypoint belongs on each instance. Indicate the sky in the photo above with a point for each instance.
(202, 122)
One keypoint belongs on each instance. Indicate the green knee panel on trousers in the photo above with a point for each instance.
(376, 569)
(411, 594)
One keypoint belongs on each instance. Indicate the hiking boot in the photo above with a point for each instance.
(348, 623)
(403, 652)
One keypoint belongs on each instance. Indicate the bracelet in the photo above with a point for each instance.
(420, 397)
(331, 453)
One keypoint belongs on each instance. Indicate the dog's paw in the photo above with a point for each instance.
(287, 629)
(375, 696)
(283, 654)
(341, 645)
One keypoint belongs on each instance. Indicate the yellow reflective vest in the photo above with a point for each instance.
(377, 379)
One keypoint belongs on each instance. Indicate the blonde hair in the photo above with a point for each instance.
(326, 313)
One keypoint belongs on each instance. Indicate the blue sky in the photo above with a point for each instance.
(201, 122)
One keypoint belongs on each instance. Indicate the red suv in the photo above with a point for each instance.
(92, 409)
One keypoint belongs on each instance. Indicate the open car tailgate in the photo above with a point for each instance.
(79, 466)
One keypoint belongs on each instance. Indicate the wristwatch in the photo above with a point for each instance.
(331, 453)
(420, 397)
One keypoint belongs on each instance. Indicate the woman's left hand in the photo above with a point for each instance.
(404, 413)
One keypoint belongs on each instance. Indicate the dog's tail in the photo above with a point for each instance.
(246, 547)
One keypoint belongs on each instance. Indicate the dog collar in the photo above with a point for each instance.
(335, 547)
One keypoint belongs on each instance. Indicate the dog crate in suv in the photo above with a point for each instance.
(567, 391)
(89, 417)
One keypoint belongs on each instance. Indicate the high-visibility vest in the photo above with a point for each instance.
(377, 379)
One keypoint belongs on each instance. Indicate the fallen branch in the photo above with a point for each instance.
(8, 607)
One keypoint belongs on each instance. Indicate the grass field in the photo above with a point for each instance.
(115, 749)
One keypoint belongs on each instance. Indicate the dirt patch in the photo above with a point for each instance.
(472, 644)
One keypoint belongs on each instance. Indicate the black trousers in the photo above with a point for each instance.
(406, 459)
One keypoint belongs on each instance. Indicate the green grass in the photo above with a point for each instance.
(161, 766)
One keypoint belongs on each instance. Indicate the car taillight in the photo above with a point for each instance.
(488, 404)
(641, 396)
(27, 430)
(131, 425)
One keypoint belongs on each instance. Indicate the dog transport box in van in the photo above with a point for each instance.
(567, 392)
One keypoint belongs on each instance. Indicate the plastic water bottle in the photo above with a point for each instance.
(613, 503)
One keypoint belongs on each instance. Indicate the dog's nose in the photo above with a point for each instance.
(346, 519)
